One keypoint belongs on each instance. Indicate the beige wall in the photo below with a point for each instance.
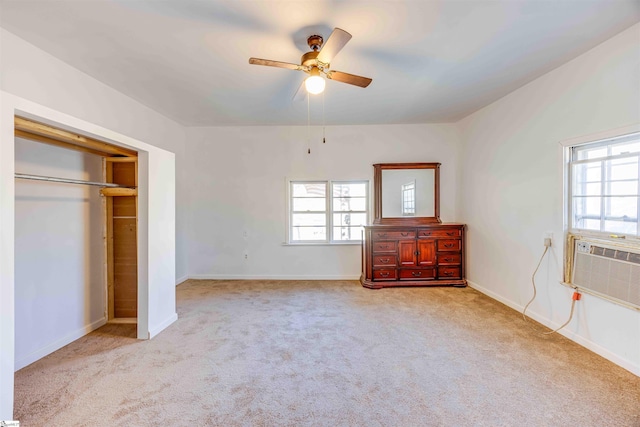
(511, 191)
(237, 179)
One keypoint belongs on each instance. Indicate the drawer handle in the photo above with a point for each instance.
(451, 233)
(448, 273)
(382, 234)
(404, 234)
(449, 245)
(426, 233)
(384, 246)
(448, 259)
(384, 273)
(416, 273)
(384, 261)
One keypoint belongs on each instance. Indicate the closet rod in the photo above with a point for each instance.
(68, 181)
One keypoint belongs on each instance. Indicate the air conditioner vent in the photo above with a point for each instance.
(611, 272)
(615, 254)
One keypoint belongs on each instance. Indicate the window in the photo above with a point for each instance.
(327, 211)
(409, 198)
(604, 186)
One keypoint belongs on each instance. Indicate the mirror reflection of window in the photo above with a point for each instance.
(408, 192)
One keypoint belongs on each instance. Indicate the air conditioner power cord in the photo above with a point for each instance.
(576, 297)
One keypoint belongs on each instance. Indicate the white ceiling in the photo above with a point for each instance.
(431, 61)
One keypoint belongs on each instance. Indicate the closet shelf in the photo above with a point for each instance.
(120, 191)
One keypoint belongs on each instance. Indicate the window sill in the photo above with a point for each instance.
(605, 236)
(351, 243)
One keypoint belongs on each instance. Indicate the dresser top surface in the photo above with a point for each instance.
(435, 225)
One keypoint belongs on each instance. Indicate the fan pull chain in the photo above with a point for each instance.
(308, 125)
(324, 140)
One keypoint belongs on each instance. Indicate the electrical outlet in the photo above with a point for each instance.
(246, 255)
(548, 238)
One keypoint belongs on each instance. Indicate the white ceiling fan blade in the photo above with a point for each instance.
(301, 93)
(333, 45)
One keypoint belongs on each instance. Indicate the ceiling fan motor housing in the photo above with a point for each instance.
(309, 59)
(315, 42)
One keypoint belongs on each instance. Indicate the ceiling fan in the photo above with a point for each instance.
(317, 62)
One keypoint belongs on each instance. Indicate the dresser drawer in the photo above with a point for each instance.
(422, 274)
(384, 260)
(449, 273)
(393, 235)
(449, 245)
(452, 232)
(384, 274)
(384, 247)
(449, 259)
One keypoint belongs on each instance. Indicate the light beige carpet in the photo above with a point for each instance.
(320, 353)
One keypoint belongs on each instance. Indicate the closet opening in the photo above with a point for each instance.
(118, 205)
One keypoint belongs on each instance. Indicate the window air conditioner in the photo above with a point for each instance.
(607, 269)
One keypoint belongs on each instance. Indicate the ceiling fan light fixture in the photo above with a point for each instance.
(314, 83)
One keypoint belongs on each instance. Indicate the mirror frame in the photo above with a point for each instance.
(377, 196)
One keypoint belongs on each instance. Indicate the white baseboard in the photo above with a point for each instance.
(182, 279)
(58, 344)
(267, 277)
(634, 368)
(162, 326)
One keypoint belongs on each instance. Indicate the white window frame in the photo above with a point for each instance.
(568, 145)
(328, 211)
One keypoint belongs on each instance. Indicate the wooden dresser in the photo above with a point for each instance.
(416, 255)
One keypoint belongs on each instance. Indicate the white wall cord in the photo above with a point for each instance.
(533, 282)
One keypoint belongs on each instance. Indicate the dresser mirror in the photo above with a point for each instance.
(406, 193)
